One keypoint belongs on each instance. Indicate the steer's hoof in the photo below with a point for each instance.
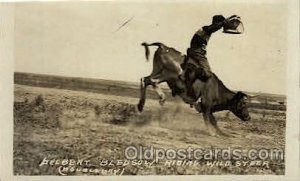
(162, 101)
(211, 133)
(216, 133)
(220, 133)
(140, 107)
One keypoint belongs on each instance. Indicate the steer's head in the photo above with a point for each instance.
(239, 106)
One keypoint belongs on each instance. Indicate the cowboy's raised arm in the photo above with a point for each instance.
(217, 23)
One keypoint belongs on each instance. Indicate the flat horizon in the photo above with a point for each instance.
(164, 86)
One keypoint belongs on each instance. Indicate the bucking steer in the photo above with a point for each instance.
(211, 96)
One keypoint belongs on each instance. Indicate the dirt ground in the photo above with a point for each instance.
(58, 124)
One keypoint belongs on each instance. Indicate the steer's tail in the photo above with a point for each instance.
(147, 51)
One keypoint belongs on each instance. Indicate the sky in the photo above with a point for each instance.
(83, 39)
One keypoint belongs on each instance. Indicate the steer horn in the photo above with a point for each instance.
(252, 96)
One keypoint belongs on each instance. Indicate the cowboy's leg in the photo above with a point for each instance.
(203, 72)
(201, 68)
(190, 77)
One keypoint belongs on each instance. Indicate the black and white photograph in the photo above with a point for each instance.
(153, 88)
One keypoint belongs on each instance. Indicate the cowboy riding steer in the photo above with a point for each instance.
(208, 96)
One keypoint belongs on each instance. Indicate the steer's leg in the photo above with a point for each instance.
(206, 116)
(162, 96)
(213, 122)
(145, 81)
(210, 128)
